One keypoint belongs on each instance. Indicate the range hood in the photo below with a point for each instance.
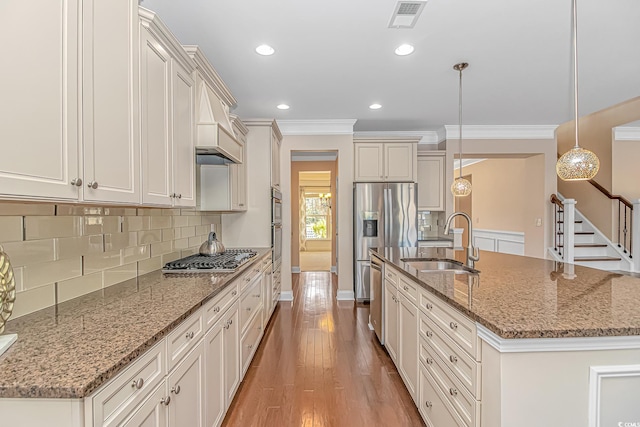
(214, 134)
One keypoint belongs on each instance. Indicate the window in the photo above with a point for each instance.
(318, 217)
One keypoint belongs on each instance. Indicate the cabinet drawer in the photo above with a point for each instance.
(463, 366)
(113, 403)
(457, 326)
(409, 289)
(266, 263)
(433, 405)
(465, 406)
(184, 338)
(249, 303)
(214, 308)
(390, 274)
(250, 341)
(249, 275)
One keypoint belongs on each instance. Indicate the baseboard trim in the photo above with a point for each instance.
(286, 296)
(345, 296)
(370, 326)
(295, 269)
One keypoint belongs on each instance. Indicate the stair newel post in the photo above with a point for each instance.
(569, 229)
(635, 235)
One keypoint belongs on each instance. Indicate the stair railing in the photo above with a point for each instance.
(625, 219)
(564, 230)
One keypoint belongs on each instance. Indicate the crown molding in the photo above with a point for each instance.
(266, 122)
(317, 127)
(210, 75)
(622, 133)
(237, 122)
(421, 136)
(502, 132)
(163, 34)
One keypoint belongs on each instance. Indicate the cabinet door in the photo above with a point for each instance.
(214, 402)
(39, 109)
(186, 388)
(155, 76)
(391, 321)
(111, 140)
(430, 183)
(267, 300)
(275, 161)
(152, 413)
(184, 157)
(369, 162)
(231, 353)
(238, 180)
(399, 159)
(408, 344)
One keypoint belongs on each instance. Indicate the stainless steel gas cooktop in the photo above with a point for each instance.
(227, 261)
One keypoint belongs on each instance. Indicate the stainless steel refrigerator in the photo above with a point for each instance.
(384, 214)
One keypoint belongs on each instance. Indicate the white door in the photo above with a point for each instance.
(186, 388)
(398, 162)
(231, 353)
(408, 344)
(39, 89)
(153, 412)
(184, 156)
(430, 183)
(155, 77)
(111, 141)
(369, 162)
(214, 401)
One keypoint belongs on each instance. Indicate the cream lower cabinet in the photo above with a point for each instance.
(185, 387)
(214, 401)
(391, 320)
(152, 413)
(408, 344)
(231, 344)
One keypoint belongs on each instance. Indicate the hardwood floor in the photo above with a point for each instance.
(319, 365)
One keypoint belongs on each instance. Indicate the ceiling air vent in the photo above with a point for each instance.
(406, 14)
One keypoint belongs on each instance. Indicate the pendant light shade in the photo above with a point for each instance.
(577, 164)
(460, 187)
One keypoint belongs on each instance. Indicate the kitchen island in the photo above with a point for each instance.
(524, 342)
(107, 357)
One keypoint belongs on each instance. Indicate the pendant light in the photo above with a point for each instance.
(460, 187)
(577, 164)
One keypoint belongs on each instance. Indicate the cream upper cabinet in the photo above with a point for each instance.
(239, 190)
(431, 182)
(39, 126)
(275, 160)
(167, 122)
(385, 161)
(111, 141)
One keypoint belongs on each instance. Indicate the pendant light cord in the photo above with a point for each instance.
(460, 124)
(575, 67)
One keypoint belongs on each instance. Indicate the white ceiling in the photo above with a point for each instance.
(335, 57)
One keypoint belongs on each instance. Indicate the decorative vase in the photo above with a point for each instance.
(7, 289)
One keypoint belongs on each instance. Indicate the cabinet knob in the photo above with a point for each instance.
(429, 306)
(76, 181)
(453, 392)
(453, 358)
(189, 335)
(428, 404)
(172, 195)
(406, 288)
(257, 296)
(166, 400)
(429, 334)
(250, 346)
(231, 321)
(429, 361)
(234, 293)
(137, 384)
(216, 309)
(248, 308)
(92, 184)
(453, 325)
(241, 204)
(175, 389)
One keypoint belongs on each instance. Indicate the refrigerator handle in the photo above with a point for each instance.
(386, 215)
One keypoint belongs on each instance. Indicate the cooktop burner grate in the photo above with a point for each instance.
(229, 260)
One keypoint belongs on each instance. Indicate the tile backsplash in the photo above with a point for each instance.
(430, 224)
(60, 252)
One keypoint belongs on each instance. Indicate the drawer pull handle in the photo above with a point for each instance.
(248, 308)
(429, 361)
(406, 288)
(453, 325)
(453, 392)
(429, 334)
(234, 293)
(231, 321)
(250, 346)
(259, 328)
(257, 296)
(247, 279)
(428, 404)
(166, 400)
(137, 383)
(216, 309)
(429, 306)
(175, 389)
(453, 359)
(189, 335)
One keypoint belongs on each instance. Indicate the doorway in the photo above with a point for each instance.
(313, 211)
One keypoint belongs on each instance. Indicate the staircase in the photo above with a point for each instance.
(590, 247)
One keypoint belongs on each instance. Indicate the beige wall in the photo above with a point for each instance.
(506, 197)
(343, 144)
(546, 176)
(296, 168)
(60, 252)
(596, 134)
(626, 169)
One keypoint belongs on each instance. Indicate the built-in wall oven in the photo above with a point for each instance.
(276, 227)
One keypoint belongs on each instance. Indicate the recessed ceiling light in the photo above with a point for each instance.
(283, 107)
(265, 49)
(404, 49)
(375, 106)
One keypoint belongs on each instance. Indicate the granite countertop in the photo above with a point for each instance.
(523, 297)
(69, 350)
(435, 239)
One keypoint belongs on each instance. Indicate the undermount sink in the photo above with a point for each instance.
(438, 265)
